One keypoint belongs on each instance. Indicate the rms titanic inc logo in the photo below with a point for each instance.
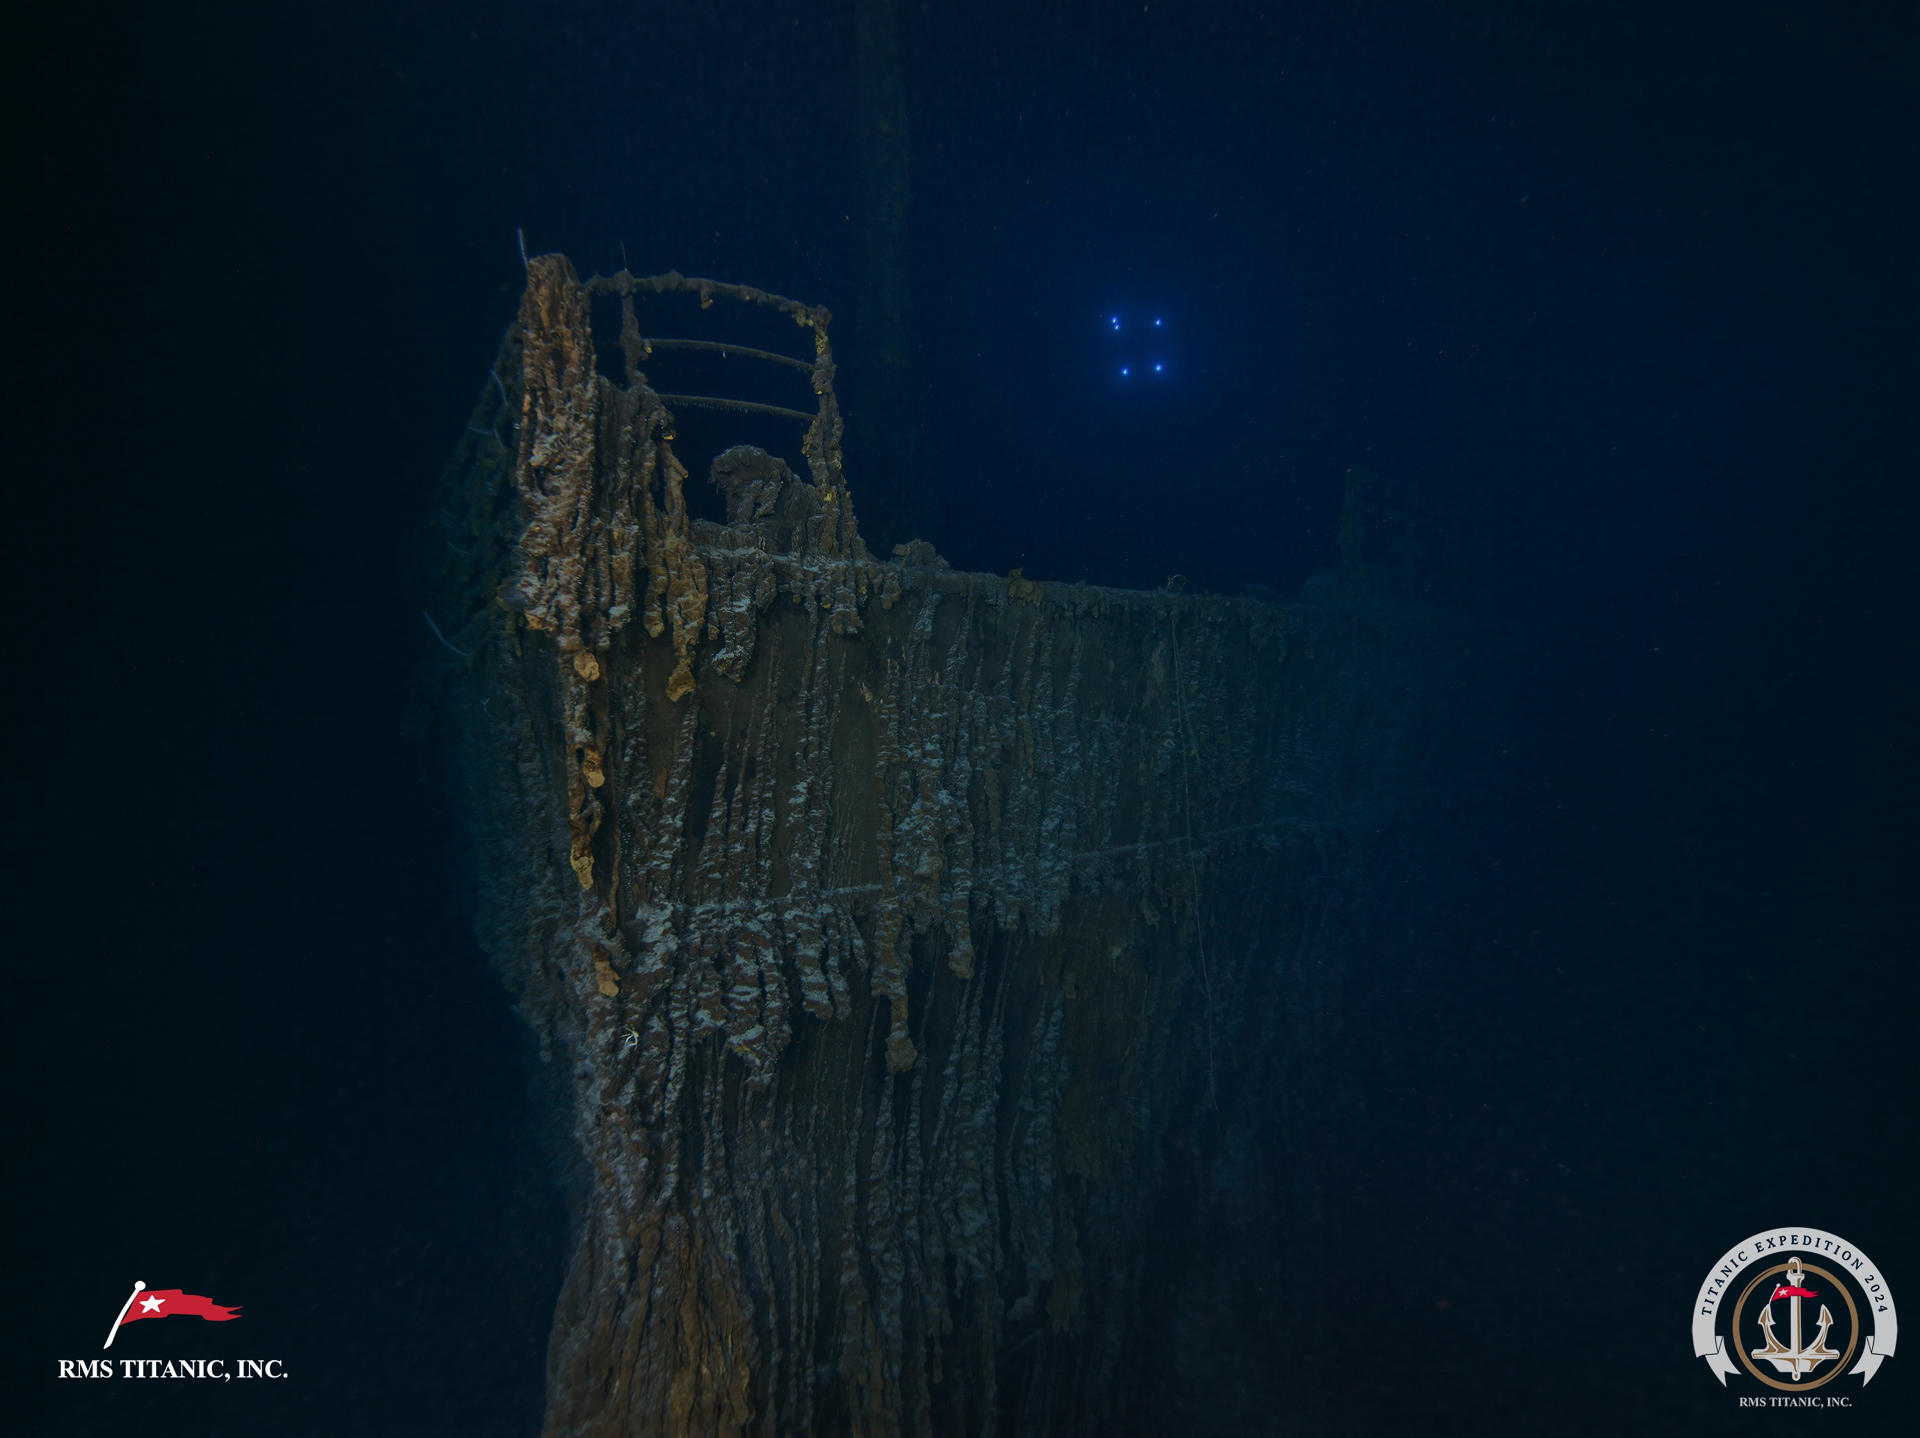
(146, 1302)
(1794, 1309)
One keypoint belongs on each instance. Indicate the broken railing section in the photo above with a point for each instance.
(891, 921)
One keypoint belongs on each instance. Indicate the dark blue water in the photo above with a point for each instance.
(1625, 299)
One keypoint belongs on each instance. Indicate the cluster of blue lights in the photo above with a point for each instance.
(1141, 364)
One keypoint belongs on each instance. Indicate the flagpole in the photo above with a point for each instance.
(137, 1286)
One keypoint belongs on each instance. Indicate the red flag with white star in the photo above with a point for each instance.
(147, 1302)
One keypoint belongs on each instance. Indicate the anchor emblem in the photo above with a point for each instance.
(1792, 1357)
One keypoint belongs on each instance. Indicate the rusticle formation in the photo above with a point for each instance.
(890, 922)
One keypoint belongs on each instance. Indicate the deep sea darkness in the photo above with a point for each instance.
(1624, 294)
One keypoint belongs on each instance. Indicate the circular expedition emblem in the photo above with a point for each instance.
(1794, 1309)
